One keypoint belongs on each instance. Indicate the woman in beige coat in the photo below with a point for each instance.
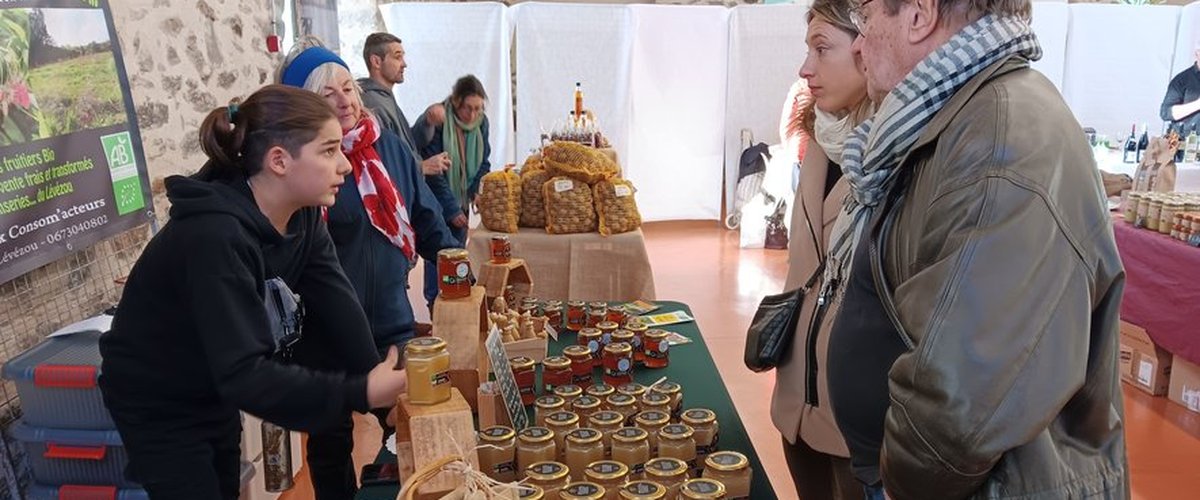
(815, 451)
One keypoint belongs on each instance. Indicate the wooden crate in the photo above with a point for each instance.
(428, 433)
(495, 277)
(463, 324)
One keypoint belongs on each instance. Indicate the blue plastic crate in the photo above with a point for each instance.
(75, 457)
(43, 492)
(56, 381)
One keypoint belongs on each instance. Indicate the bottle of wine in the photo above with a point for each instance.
(1143, 142)
(1191, 146)
(1130, 153)
(578, 100)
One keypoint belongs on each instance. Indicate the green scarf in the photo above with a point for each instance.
(464, 144)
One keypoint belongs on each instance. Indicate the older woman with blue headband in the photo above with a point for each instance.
(383, 218)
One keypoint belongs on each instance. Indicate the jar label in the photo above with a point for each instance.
(563, 185)
(622, 191)
(462, 270)
(639, 469)
(504, 467)
(439, 378)
(585, 433)
(606, 468)
(584, 489)
(725, 459)
(536, 432)
(667, 465)
(496, 431)
(642, 488)
(548, 468)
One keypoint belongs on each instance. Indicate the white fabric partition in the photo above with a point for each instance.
(1187, 41)
(766, 50)
(677, 118)
(1050, 23)
(1118, 64)
(480, 45)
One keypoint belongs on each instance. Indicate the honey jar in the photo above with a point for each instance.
(601, 391)
(634, 390)
(585, 406)
(625, 336)
(657, 349)
(617, 315)
(526, 377)
(562, 423)
(584, 446)
(607, 422)
(639, 331)
(733, 470)
(593, 339)
(498, 453)
(618, 364)
(535, 444)
(454, 273)
(656, 401)
(554, 315)
(652, 422)
(556, 371)
(546, 405)
(610, 474)
(501, 249)
(624, 404)
(531, 492)
(552, 477)
(1131, 206)
(607, 328)
(702, 489)
(582, 363)
(582, 491)
(707, 431)
(675, 391)
(643, 490)
(669, 472)
(597, 313)
(577, 316)
(568, 393)
(631, 446)
(677, 441)
(428, 364)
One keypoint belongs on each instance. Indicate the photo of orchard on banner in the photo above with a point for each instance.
(72, 170)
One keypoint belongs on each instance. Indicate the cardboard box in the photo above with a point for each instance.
(1149, 367)
(1185, 384)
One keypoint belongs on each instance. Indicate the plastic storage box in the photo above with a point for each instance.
(56, 381)
(42, 492)
(74, 457)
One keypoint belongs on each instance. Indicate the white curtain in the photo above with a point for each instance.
(1188, 38)
(1050, 21)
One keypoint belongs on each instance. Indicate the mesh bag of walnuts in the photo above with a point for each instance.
(533, 199)
(616, 208)
(579, 162)
(569, 206)
(500, 201)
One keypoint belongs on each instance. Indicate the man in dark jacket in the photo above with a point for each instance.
(1181, 105)
(975, 353)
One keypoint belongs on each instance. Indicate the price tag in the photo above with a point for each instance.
(505, 380)
(623, 191)
(563, 185)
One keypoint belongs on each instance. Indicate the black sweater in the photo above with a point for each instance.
(190, 343)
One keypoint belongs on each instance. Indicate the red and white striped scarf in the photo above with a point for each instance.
(384, 204)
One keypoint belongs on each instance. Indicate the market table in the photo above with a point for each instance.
(1162, 288)
(692, 367)
(587, 266)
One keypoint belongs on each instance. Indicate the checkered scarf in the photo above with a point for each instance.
(874, 149)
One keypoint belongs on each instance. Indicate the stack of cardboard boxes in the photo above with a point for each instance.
(1156, 371)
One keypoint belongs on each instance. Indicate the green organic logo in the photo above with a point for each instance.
(122, 164)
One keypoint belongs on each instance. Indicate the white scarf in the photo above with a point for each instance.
(830, 133)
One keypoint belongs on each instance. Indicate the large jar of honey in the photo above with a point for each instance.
(631, 446)
(677, 441)
(562, 423)
(546, 405)
(556, 371)
(675, 391)
(550, 476)
(581, 364)
(585, 406)
(498, 453)
(584, 446)
(610, 474)
(652, 422)
(618, 364)
(607, 422)
(733, 470)
(657, 349)
(428, 365)
(702, 489)
(535, 444)
(454, 273)
(643, 490)
(624, 404)
(669, 472)
(707, 429)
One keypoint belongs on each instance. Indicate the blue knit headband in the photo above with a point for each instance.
(303, 65)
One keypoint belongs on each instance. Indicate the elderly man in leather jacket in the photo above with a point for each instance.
(975, 354)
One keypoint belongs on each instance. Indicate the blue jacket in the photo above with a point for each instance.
(379, 270)
(429, 143)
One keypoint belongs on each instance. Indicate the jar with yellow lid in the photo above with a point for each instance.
(584, 446)
(550, 476)
(625, 336)
(428, 365)
(568, 393)
(556, 371)
(618, 363)
(535, 444)
(702, 489)
(597, 313)
(676, 392)
(582, 490)
(631, 446)
(656, 401)
(652, 422)
(562, 423)
(638, 329)
(1166, 217)
(610, 474)
(1152, 215)
(707, 431)
(601, 391)
(585, 406)
(607, 422)
(531, 492)
(643, 490)
(624, 404)
(554, 315)
(525, 374)
(593, 339)
(546, 405)
(582, 363)
(733, 470)
(657, 349)
(1143, 210)
(618, 314)
(607, 328)
(454, 273)
(669, 472)
(577, 315)
(633, 389)
(498, 453)
(678, 441)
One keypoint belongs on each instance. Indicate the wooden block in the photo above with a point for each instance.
(467, 383)
(492, 411)
(495, 277)
(428, 433)
(463, 324)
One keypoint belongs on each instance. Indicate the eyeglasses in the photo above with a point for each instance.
(857, 18)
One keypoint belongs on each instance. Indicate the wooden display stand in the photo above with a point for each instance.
(428, 433)
(495, 277)
(463, 324)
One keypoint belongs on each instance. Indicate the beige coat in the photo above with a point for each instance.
(789, 409)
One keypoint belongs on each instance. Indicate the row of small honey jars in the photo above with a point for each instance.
(1186, 226)
(1156, 211)
(626, 399)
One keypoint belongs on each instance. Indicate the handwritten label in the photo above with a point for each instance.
(563, 185)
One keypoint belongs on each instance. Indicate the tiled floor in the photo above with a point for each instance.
(701, 264)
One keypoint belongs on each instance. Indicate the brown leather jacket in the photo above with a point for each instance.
(996, 258)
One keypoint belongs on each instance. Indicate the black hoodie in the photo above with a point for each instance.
(191, 344)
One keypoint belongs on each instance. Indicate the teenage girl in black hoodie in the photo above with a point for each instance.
(233, 295)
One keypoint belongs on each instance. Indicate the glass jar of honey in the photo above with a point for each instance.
(607, 422)
(652, 422)
(535, 444)
(562, 423)
(631, 446)
(597, 313)
(582, 363)
(428, 364)
(669, 472)
(569, 393)
(577, 316)
(546, 405)
(643, 490)
(656, 401)
(702, 489)
(624, 404)
(675, 391)
(454, 273)
(610, 474)
(531, 492)
(704, 423)
(733, 470)
(607, 328)
(678, 441)
(601, 391)
(617, 315)
(639, 331)
(501, 249)
(582, 490)
(656, 348)
(584, 446)
(556, 371)
(585, 406)
(498, 453)
(554, 315)
(618, 364)
(526, 377)
(593, 338)
(634, 390)
(550, 476)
